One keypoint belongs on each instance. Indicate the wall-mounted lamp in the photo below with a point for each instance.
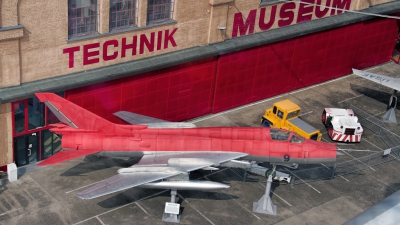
(221, 28)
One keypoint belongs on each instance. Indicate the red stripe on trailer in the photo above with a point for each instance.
(338, 137)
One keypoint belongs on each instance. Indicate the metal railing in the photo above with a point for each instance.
(328, 172)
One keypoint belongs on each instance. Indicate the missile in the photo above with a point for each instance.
(193, 185)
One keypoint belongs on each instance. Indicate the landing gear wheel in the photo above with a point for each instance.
(324, 117)
(266, 123)
(269, 172)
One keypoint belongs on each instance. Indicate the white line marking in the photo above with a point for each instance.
(358, 160)
(371, 143)
(237, 174)
(306, 113)
(141, 208)
(100, 220)
(326, 140)
(277, 195)
(82, 187)
(304, 181)
(196, 209)
(348, 99)
(158, 193)
(339, 175)
(245, 208)
(379, 113)
(9, 212)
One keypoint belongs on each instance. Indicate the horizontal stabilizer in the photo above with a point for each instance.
(134, 118)
(65, 155)
(151, 122)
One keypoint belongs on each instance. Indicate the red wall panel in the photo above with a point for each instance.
(250, 75)
(188, 90)
(174, 94)
(376, 42)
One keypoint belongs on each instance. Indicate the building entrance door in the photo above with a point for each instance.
(26, 149)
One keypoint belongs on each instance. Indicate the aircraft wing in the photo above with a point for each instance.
(390, 82)
(156, 167)
(151, 122)
(134, 118)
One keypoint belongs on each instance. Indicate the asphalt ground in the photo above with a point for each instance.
(48, 195)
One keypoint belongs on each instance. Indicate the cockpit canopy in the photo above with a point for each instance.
(283, 135)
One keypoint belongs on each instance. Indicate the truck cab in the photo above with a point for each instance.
(342, 125)
(284, 115)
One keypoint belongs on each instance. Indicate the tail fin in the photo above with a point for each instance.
(76, 116)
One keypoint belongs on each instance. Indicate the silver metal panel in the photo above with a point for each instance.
(171, 125)
(155, 167)
(161, 158)
(186, 185)
(303, 125)
(385, 212)
(134, 118)
(151, 122)
(123, 181)
(390, 82)
(60, 115)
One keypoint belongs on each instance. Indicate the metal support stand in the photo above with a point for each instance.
(264, 205)
(172, 210)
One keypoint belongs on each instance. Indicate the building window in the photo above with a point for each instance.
(123, 14)
(83, 17)
(159, 11)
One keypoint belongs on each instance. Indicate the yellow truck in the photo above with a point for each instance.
(285, 115)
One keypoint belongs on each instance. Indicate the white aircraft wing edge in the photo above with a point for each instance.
(390, 82)
(156, 172)
(121, 182)
(151, 122)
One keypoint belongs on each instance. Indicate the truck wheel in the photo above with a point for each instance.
(269, 172)
(266, 123)
(324, 117)
(330, 132)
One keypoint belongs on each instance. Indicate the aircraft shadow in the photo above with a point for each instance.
(3, 187)
(379, 96)
(94, 163)
(136, 194)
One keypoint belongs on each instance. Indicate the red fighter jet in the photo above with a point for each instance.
(170, 151)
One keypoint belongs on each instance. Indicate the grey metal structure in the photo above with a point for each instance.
(385, 212)
(172, 217)
(330, 171)
(264, 205)
(377, 126)
(390, 82)
(151, 122)
(303, 125)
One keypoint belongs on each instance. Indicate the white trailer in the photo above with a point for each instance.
(342, 125)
